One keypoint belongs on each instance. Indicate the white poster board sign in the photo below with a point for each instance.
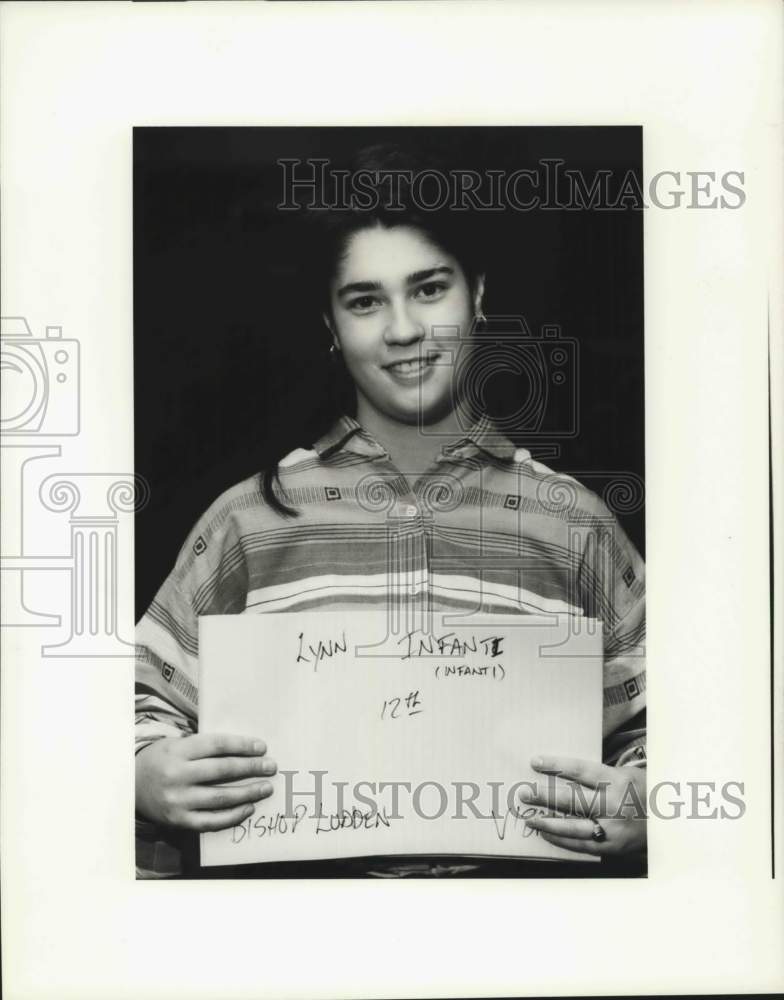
(405, 744)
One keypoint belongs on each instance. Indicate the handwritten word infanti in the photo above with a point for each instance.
(449, 644)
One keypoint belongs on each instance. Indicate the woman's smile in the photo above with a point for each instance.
(411, 371)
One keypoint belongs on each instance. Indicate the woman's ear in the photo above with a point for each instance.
(479, 294)
(331, 327)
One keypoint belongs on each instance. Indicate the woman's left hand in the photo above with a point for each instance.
(605, 805)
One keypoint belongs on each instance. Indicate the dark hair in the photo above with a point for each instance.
(395, 196)
(389, 187)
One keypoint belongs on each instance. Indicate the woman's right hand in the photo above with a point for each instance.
(179, 780)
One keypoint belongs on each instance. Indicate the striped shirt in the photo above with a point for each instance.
(486, 529)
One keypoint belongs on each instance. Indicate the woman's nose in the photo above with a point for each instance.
(403, 327)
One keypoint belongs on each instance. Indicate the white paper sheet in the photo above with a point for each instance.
(464, 707)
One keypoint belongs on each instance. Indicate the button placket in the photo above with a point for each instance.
(409, 511)
(411, 529)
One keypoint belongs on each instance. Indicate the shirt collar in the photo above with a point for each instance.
(486, 436)
(347, 434)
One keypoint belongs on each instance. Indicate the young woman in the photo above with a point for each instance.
(403, 297)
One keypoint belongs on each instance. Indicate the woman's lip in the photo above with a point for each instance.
(424, 361)
(422, 369)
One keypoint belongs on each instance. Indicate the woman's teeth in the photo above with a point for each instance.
(406, 367)
(412, 367)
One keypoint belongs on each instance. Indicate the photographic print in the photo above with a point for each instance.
(390, 384)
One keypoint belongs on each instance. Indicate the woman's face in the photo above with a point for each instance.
(393, 290)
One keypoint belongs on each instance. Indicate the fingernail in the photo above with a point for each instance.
(537, 762)
(259, 746)
(269, 767)
(265, 788)
(526, 794)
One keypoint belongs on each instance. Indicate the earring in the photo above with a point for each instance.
(332, 350)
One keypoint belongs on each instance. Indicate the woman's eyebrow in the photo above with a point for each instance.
(360, 286)
(417, 276)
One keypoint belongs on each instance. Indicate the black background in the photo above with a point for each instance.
(230, 354)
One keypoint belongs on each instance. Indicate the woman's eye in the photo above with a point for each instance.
(431, 290)
(362, 304)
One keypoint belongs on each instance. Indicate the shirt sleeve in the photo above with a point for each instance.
(166, 667)
(166, 704)
(612, 585)
(207, 578)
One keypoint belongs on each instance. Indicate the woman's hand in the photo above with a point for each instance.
(178, 780)
(606, 805)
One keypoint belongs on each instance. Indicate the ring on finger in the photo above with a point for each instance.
(599, 833)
